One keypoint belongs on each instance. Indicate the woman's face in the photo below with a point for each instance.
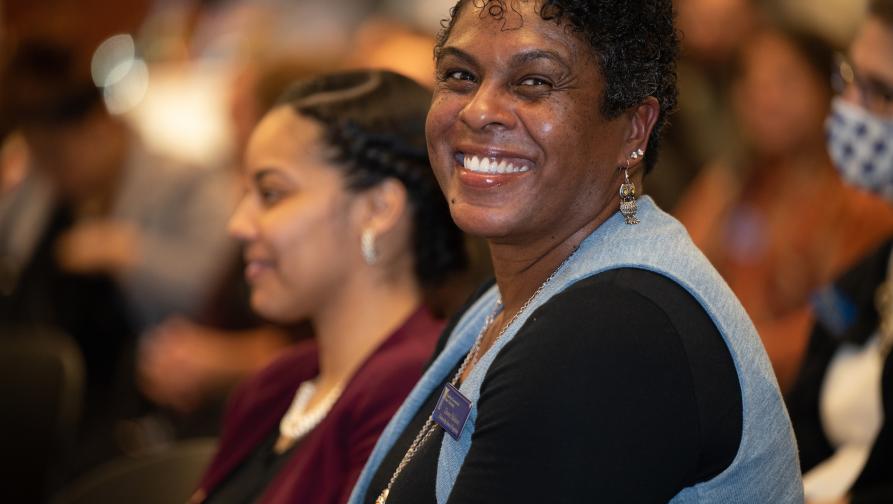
(522, 98)
(295, 219)
(781, 100)
(872, 55)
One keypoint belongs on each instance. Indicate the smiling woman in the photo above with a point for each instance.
(343, 226)
(610, 362)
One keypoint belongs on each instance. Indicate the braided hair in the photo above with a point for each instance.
(374, 123)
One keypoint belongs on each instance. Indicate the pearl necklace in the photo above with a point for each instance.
(297, 422)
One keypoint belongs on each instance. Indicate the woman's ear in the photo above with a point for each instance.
(383, 206)
(641, 123)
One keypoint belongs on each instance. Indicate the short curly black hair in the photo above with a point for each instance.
(375, 122)
(636, 44)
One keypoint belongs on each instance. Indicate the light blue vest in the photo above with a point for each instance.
(766, 468)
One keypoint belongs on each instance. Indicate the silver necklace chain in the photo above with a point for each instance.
(429, 428)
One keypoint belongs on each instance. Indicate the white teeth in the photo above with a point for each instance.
(491, 165)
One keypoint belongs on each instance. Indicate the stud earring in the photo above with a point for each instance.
(628, 206)
(367, 247)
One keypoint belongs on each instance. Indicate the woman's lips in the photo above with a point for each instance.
(490, 171)
(255, 268)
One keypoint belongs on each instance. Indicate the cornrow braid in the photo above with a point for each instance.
(373, 122)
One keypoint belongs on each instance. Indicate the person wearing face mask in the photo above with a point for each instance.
(841, 404)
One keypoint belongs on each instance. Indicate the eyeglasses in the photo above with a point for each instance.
(874, 95)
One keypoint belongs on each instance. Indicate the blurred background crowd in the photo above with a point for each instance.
(122, 129)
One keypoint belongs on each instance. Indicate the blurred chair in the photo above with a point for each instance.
(168, 476)
(42, 389)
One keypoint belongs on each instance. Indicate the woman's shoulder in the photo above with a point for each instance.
(257, 404)
(409, 346)
(299, 361)
(390, 372)
(614, 297)
(624, 352)
(281, 377)
(625, 322)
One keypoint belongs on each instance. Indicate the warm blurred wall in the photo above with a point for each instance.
(80, 24)
(837, 20)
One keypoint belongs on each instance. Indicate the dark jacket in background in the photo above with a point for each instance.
(845, 313)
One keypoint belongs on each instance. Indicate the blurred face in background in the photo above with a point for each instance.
(780, 99)
(871, 55)
(382, 44)
(82, 157)
(714, 29)
(860, 128)
(296, 219)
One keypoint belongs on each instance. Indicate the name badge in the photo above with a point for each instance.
(452, 411)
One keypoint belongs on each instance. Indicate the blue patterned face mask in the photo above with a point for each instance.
(861, 146)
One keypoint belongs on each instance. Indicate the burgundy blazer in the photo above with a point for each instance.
(328, 461)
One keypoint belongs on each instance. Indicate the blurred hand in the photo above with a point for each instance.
(99, 246)
(182, 364)
(14, 162)
(179, 364)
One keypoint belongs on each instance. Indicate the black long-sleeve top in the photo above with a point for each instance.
(619, 389)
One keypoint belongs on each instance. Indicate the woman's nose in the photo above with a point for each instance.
(488, 108)
(242, 223)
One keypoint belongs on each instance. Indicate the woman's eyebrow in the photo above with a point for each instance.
(443, 52)
(516, 60)
(537, 54)
(263, 174)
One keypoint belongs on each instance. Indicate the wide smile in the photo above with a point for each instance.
(490, 169)
(491, 164)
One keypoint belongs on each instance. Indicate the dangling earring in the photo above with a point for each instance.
(628, 205)
(367, 247)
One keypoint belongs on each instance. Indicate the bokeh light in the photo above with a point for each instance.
(123, 77)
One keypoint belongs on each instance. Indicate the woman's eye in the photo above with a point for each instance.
(458, 75)
(534, 82)
(269, 197)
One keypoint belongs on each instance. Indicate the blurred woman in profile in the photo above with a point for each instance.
(780, 223)
(343, 224)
